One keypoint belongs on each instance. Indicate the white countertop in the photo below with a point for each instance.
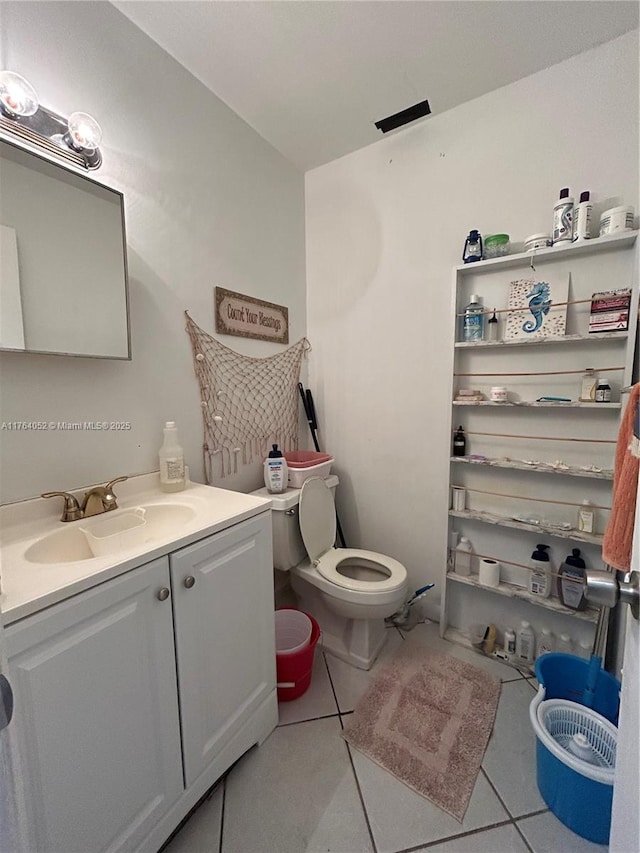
(29, 587)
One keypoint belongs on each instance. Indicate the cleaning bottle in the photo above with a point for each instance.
(464, 550)
(525, 643)
(473, 320)
(493, 331)
(459, 442)
(275, 471)
(563, 218)
(545, 643)
(570, 581)
(171, 458)
(540, 574)
(510, 642)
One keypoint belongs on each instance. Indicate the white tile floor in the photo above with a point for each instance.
(305, 789)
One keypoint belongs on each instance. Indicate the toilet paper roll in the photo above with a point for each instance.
(489, 574)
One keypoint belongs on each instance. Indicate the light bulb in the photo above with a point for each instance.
(84, 132)
(17, 95)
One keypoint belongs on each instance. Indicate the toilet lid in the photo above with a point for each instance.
(317, 517)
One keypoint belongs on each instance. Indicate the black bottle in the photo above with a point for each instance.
(571, 576)
(459, 442)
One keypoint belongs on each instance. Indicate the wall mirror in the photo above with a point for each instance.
(63, 261)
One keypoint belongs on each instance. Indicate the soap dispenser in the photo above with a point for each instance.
(571, 581)
(540, 574)
(275, 471)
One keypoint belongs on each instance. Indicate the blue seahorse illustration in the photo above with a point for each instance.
(539, 304)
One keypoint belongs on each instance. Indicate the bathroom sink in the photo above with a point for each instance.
(71, 544)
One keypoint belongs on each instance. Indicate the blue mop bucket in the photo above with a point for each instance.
(580, 800)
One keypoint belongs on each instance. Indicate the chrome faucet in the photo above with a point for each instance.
(96, 501)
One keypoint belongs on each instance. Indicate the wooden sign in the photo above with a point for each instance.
(247, 317)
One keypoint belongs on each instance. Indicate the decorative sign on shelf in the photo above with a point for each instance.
(610, 311)
(246, 317)
(537, 313)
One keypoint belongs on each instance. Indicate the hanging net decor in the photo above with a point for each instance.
(247, 403)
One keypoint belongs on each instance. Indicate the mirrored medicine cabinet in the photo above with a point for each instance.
(63, 261)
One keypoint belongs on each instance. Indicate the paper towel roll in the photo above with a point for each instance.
(489, 574)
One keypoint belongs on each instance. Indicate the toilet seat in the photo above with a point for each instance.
(317, 518)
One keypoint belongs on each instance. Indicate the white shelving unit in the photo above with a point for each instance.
(536, 460)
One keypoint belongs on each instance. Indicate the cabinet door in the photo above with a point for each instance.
(95, 689)
(225, 643)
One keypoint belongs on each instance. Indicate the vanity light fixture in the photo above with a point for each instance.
(75, 139)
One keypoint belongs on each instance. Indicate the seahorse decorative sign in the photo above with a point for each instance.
(538, 309)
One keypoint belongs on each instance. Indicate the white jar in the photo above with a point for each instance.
(537, 241)
(564, 644)
(498, 394)
(616, 219)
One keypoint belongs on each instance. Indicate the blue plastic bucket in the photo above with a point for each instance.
(580, 803)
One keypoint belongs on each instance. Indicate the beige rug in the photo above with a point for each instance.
(427, 719)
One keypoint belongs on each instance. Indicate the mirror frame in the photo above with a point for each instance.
(51, 161)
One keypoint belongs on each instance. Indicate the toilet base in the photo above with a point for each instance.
(356, 641)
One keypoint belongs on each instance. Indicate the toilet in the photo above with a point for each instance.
(348, 591)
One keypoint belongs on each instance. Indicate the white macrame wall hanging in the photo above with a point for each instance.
(247, 403)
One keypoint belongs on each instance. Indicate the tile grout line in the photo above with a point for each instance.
(333, 690)
(364, 808)
(522, 836)
(307, 720)
(224, 803)
(495, 791)
(447, 838)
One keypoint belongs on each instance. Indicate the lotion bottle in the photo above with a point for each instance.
(582, 218)
(586, 517)
(540, 574)
(525, 643)
(275, 471)
(171, 458)
(563, 218)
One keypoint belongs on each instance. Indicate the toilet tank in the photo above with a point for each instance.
(288, 547)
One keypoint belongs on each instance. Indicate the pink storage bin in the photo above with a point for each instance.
(302, 464)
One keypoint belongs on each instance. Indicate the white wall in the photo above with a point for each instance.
(208, 202)
(386, 225)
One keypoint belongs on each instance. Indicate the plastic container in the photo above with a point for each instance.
(582, 218)
(565, 644)
(616, 219)
(493, 328)
(496, 245)
(603, 391)
(540, 574)
(171, 458)
(510, 642)
(545, 643)
(464, 550)
(537, 241)
(459, 442)
(571, 575)
(276, 474)
(294, 669)
(293, 631)
(588, 386)
(473, 320)
(564, 676)
(121, 533)
(498, 394)
(586, 517)
(525, 643)
(575, 760)
(302, 464)
(563, 218)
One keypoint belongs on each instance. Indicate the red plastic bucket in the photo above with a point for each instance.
(294, 669)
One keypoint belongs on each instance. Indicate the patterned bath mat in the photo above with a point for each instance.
(427, 719)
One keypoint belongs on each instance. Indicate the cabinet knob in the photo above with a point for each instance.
(163, 593)
(189, 581)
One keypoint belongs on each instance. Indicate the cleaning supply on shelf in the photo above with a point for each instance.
(496, 245)
(563, 218)
(510, 643)
(493, 328)
(571, 577)
(459, 442)
(473, 320)
(564, 644)
(545, 642)
(540, 574)
(616, 219)
(586, 517)
(603, 392)
(588, 386)
(473, 249)
(464, 550)
(582, 218)
(525, 643)
(171, 459)
(585, 649)
(453, 544)
(275, 471)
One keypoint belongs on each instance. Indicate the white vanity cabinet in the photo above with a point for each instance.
(223, 613)
(95, 691)
(135, 696)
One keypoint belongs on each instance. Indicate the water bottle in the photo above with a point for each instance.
(473, 320)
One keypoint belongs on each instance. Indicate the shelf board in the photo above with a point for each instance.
(601, 337)
(539, 468)
(589, 247)
(510, 590)
(534, 404)
(501, 521)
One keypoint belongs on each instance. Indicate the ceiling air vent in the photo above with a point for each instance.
(404, 117)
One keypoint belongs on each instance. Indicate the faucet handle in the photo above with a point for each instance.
(111, 483)
(71, 511)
